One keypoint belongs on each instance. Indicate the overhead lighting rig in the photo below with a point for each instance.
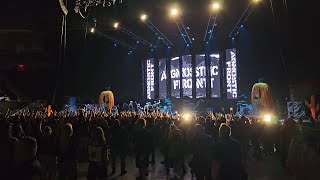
(155, 30)
(243, 18)
(83, 5)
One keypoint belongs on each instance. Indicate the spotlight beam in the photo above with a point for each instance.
(213, 25)
(134, 36)
(158, 33)
(211, 22)
(243, 18)
(183, 26)
(114, 40)
(205, 34)
(183, 31)
(182, 34)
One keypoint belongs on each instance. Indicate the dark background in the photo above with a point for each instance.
(281, 48)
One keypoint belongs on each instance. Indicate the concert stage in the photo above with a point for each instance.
(202, 80)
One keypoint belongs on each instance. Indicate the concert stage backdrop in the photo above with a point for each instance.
(162, 79)
(175, 77)
(149, 77)
(215, 75)
(208, 69)
(186, 76)
(201, 77)
(231, 74)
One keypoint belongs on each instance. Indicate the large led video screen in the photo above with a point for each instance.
(215, 75)
(175, 77)
(201, 76)
(149, 69)
(162, 79)
(231, 74)
(187, 75)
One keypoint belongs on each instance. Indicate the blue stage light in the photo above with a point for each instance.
(115, 45)
(159, 38)
(169, 47)
(188, 45)
(232, 38)
(151, 49)
(137, 42)
(241, 26)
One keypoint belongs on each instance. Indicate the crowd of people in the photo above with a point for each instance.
(36, 145)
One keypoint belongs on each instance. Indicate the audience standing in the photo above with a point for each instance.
(60, 140)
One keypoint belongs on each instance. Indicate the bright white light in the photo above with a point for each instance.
(174, 12)
(267, 118)
(143, 17)
(116, 25)
(256, 1)
(92, 30)
(186, 117)
(216, 6)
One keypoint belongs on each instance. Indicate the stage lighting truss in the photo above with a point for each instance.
(158, 33)
(183, 31)
(136, 37)
(83, 5)
(212, 23)
(243, 19)
(114, 40)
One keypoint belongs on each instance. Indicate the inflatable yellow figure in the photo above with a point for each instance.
(261, 97)
(106, 98)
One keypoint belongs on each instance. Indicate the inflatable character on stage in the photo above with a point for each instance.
(261, 98)
(106, 98)
(313, 106)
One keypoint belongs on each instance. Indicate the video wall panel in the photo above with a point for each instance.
(149, 70)
(187, 76)
(201, 76)
(208, 71)
(162, 79)
(231, 74)
(215, 75)
(175, 77)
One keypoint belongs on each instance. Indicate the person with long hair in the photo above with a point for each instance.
(26, 165)
(97, 155)
(67, 160)
(143, 141)
(119, 146)
(175, 150)
(47, 153)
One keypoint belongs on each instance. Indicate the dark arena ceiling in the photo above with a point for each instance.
(277, 41)
(194, 15)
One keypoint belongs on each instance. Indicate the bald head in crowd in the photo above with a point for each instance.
(141, 123)
(224, 130)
